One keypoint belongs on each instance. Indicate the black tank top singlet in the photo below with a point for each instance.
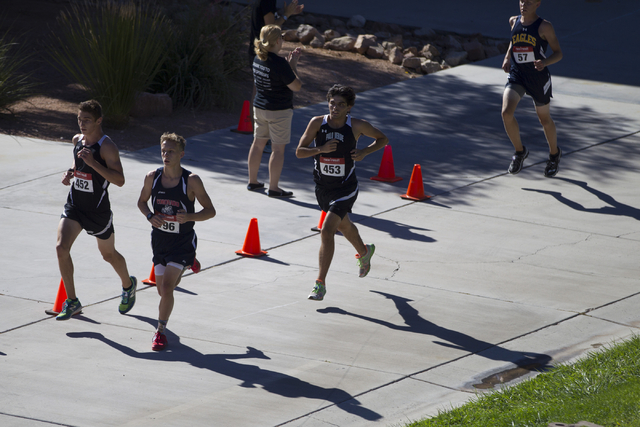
(337, 168)
(167, 202)
(89, 190)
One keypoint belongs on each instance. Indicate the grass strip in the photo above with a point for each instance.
(602, 388)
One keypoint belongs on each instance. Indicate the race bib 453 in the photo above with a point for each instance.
(332, 166)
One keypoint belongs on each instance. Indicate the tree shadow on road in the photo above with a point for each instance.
(250, 376)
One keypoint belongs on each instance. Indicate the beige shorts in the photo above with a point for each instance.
(274, 125)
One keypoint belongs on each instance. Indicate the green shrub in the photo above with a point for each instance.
(112, 48)
(14, 84)
(205, 55)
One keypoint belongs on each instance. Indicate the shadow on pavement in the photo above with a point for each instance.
(614, 208)
(249, 376)
(416, 324)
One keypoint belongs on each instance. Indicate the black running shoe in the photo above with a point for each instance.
(517, 161)
(553, 164)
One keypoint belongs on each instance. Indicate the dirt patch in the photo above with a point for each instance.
(51, 114)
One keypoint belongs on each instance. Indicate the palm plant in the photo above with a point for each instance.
(112, 48)
(14, 84)
(205, 55)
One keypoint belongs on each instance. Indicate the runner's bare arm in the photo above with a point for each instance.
(549, 34)
(109, 152)
(196, 191)
(303, 150)
(363, 127)
(506, 63)
(68, 174)
(145, 195)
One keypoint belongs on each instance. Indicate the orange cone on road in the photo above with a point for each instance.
(416, 187)
(323, 215)
(387, 172)
(251, 245)
(152, 277)
(61, 297)
(245, 125)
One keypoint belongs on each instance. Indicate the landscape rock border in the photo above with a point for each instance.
(418, 50)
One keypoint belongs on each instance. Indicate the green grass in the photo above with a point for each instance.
(602, 388)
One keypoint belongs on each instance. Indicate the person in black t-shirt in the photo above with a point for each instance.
(527, 64)
(265, 12)
(275, 79)
(335, 137)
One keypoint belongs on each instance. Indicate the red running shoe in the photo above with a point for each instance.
(159, 342)
(195, 267)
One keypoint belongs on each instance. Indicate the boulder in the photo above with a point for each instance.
(306, 33)
(491, 51)
(397, 40)
(148, 105)
(475, 50)
(455, 58)
(410, 51)
(429, 51)
(412, 62)
(364, 42)
(318, 41)
(396, 56)
(343, 43)
(382, 35)
(452, 43)
(376, 52)
(291, 35)
(331, 34)
(356, 21)
(430, 66)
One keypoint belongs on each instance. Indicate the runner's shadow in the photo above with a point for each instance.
(614, 208)
(414, 323)
(250, 376)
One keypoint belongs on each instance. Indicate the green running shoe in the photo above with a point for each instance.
(318, 292)
(364, 262)
(128, 297)
(69, 308)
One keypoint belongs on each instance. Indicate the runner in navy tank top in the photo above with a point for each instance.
(526, 63)
(96, 163)
(173, 191)
(335, 154)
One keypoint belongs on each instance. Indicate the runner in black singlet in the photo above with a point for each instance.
(96, 163)
(173, 191)
(526, 64)
(335, 153)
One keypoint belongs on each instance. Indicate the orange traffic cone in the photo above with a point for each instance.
(152, 277)
(387, 172)
(61, 297)
(323, 215)
(251, 245)
(245, 125)
(416, 187)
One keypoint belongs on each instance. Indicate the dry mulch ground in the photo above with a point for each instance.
(52, 114)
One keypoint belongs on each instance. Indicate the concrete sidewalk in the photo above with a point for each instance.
(493, 273)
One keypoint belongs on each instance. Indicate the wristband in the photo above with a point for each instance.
(150, 215)
(70, 170)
